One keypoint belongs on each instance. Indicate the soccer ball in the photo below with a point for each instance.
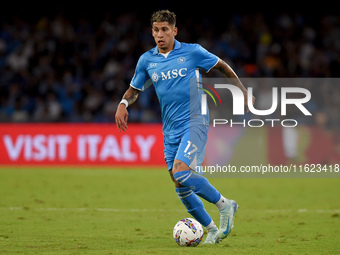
(188, 232)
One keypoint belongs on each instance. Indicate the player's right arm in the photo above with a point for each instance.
(122, 114)
(137, 85)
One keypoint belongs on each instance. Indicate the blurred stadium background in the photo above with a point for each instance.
(70, 65)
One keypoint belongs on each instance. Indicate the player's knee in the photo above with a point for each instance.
(179, 166)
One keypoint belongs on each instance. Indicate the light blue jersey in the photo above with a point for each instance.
(176, 77)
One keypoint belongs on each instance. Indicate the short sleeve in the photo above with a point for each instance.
(204, 58)
(141, 79)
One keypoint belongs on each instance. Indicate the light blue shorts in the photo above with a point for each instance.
(189, 146)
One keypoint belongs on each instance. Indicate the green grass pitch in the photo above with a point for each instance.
(133, 211)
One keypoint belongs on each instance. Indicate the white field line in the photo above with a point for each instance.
(133, 210)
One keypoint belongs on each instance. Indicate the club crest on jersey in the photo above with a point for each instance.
(181, 60)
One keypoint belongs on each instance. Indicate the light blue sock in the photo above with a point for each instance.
(194, 205)
(198, 184)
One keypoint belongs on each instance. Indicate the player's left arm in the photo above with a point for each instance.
(228, 72)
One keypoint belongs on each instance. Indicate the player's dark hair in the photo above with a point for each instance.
(163, 15)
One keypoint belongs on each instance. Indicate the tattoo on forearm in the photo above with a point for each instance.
(131, 95)
(228, 72)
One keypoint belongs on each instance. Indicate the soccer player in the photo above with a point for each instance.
(174, 69)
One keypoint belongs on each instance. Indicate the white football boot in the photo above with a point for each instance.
(227, 219)
(212, 236)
